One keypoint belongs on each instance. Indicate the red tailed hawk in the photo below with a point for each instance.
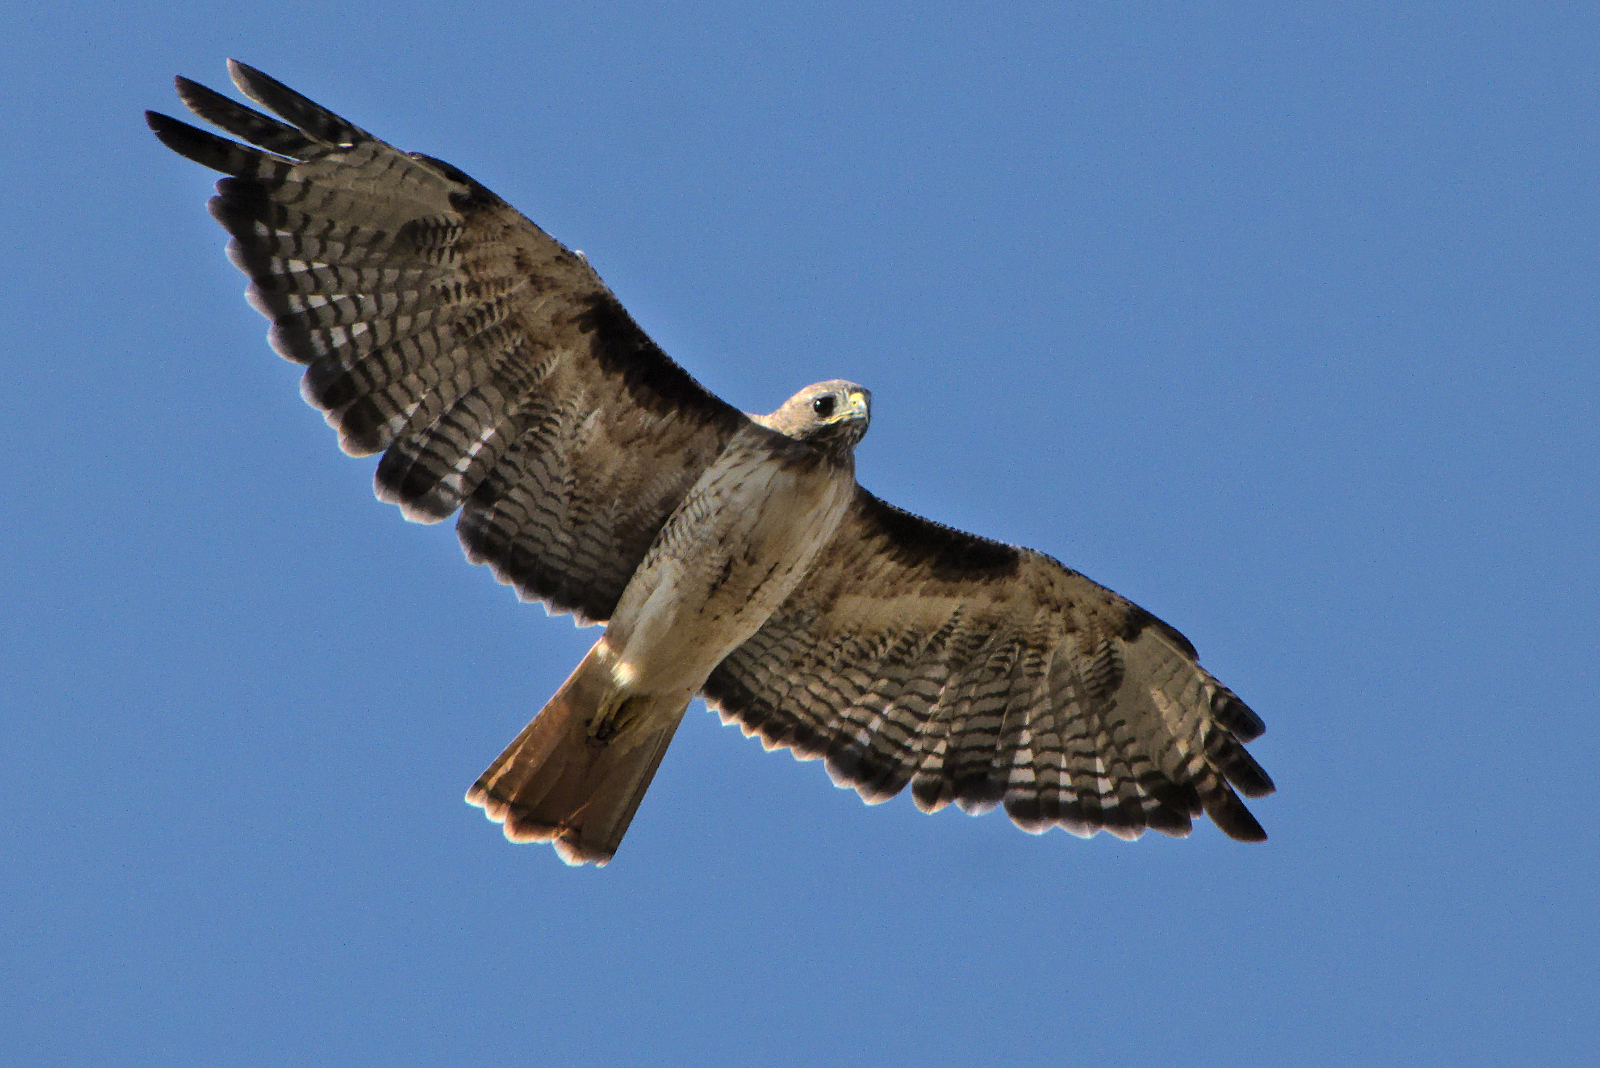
(730, 556)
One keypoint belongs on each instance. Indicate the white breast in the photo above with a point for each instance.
(730, 554)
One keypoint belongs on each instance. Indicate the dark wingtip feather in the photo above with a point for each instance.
(1232, 818)
(1235, 715)
(202, 100)
(1248, 777)
(1170, 821)
(247, 123)
(209, 150)
(304, 113)
(187, 141)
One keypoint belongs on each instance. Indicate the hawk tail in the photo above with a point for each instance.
(565, 782)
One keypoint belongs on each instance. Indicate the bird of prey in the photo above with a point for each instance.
(730, 556)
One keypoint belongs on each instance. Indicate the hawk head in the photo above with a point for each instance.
(831, 416)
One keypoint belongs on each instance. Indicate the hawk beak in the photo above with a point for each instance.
(856, 408)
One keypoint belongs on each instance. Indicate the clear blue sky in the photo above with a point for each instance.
(1280, 319)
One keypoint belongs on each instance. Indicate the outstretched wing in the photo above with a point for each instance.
(985, 674)
(486, 361)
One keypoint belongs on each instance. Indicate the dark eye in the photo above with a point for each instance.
(823, 406)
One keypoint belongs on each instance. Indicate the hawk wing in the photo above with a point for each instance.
(985, 674)
(486, 361)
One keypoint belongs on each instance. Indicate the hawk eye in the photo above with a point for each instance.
(823, 405)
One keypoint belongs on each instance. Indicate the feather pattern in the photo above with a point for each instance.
(981, 674)
(499, 378)
(488, 363)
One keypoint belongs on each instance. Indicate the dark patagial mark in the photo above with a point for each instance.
(949, 553)
(652, 380)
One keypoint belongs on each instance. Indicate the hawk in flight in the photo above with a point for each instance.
(730, 556)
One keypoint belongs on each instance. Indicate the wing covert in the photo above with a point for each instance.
(984, 674)
(488, 363)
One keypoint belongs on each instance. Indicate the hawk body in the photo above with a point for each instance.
(727, 557)
(730, 556)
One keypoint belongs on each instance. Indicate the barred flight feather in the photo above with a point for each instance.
(487, 362)
(1063, 703)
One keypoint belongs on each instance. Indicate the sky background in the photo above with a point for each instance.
(1279, 319)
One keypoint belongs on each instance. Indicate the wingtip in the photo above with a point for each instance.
(1236, 821)
(185, 140)
(202, 100)
(258, 86)
(241, 73)
(1237, 716)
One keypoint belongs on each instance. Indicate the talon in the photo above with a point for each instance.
(617, 714)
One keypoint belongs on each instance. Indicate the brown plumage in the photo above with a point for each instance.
(730, 556)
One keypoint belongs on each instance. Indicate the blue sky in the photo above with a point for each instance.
(1279, 319)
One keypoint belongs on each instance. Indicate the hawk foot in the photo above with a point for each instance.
(617, 713)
